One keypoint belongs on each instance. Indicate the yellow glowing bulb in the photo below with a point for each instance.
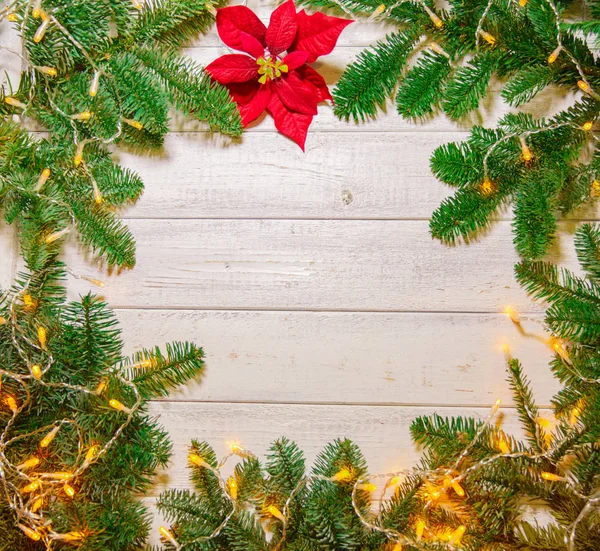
(503, 446)
(552, 477)
(398, 547)
(145, 364)
(11, 403)
(343, 475)
(496, 406)
(50, 71)
(102, 386)
(554, 55)
(434, 18)
(43, 178)
(233, 487)
(96, 192)
(367, 487)
(69, 490)
(457, 535)
(92, 453)
(83, 116)
(575, 414)
(31, 534)
(135, 124)
(37, 9)
(419, 529)
(587, 126)
(526, 153)
(168, 535)
(77, 160)
(14, 102)
(195, 459)
(512, 314)
(12, 17)
(29, 464)
(42, 336)
(377, 12)
(57, 235)
(29, 301)
(584, 86)
(394, 480)
(458, 489)
(2, 321)
(37, 505)
(57, 476)
(69, 536)
(115, 404)
(438, 49)
(544, 423)
(596, 188)
(522, 3)
(95, 84)
(487, 37)
(47, 440)
(275, 512)
(486, 187)
(239, 450)
(36, 371)
(41, 30)
(31, 487)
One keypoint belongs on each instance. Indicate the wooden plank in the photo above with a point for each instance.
(356, 358)
(382, 432)
(352, 175)
(7, 255)
(313, 265)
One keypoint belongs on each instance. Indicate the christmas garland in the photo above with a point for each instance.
(543, 166)
(473, 485)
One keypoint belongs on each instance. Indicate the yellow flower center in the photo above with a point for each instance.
(270, 68)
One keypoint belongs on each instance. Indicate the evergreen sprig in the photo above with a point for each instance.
(134, 55)
(441, 63)
(83, 365)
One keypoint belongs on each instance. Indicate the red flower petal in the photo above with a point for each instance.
(257, 104)
(233, 68)
(295, 59)
(293, 125)
(241, 29)
(308, 74)
(243, 92)
(296, 95)
(282, 28)
(318, 33)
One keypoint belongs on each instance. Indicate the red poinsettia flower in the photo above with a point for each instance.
(274, 75)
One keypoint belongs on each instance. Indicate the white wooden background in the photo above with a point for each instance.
(324, 306)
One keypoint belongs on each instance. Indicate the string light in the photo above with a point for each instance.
(95, 84)
(83, 116)
(486, 187)
(43, 178)
(522, 3)
(487, 37)
(11, 403)
(135, 124)
(14, 102)
(275, 512)
(41, 30)
(12, 17)
(233, 488)
(587, 126)
(137, 4)
(36, 371)
(50, 71)
(98, 199)
(29, 301)
(370, 488)
(526, 153)
(47, 440)
(555, 53)
(29, 464)
(496, 406)
(69, 490)
(77, 160)
(503, 445)
(195, 459)
(31, 534)
(101, 388)
(419, 529)
(57, 476)
(69, 536)
(37, 505)
(238, 450)
(37, 9)
(42, 336)
(57, 235)
(91, 454)
(167, 535)
(343, 475)
(457, 535)
(115, 404)
(438, 49)
(584, 86)
(434, 18)
(551, 477)
(31, 487)
(377, 12)
(458, 489)
(2, 322)
(596, 188)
